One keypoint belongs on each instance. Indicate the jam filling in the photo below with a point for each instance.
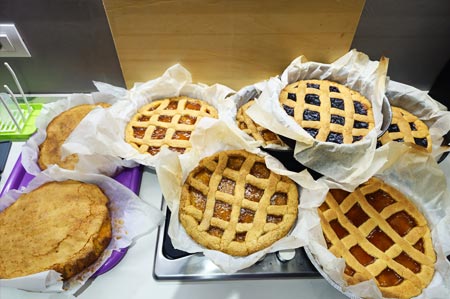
(222, 210)
(253, 193)
(413, 126)
(246, 216)
(197, 199)
(292, 96)
(139, 132)
(379, 238)
(360, 125)
(193, 106)
(334, 89)
(165, 118)
(289, 110)
(312, 132)
(187, 120)
(363, 257)
(337, 119)
(274, 219)
(173, 105)
(405, 260)
(240, 237)
(379, 200)
(324, 206)
(419, 246)
(153, 108)
(335, 138)
(337, 103)
(357, 138)
(204, 176)
(356, 215)
(401, 222)
(181, 135)
(153, 150)
(235, 163)
(360, 108)
(226, 185)
(339, 195)
(393, 128)
(215, 231)
(144, 118)
(180, 150)
(278, 199)
(313, 85)
(421, 141)
(329, 244)
(340, 231)
(311, 115)
(399, 140)
(312, 99)
(159, 133)
(268, 135)
(259, 170)
(389, 278)
(349, 270)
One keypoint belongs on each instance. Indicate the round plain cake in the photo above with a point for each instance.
(61, 226)
(58, 130)
(233, 203)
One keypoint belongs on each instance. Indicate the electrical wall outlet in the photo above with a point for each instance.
(11, 44)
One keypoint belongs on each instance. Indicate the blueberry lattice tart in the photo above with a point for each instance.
(259, 133)
(408, 128)
(382, 236)
(233, 203)
(328, 111)
(166, 123)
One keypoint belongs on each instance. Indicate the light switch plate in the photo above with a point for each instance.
(12, 43)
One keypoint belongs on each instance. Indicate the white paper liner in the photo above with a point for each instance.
(131, 218)
(210, 137)
(418, 176)
(344, 163)
(431, 112)
(103, 131)
(92, 163)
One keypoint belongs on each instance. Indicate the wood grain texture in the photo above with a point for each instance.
(229, 42)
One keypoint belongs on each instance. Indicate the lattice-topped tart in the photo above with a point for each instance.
(259, 133)
(166, 123)
(408, 128)
(233, 203)
(328, 111)
(381, 235)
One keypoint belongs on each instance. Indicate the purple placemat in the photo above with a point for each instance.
(129, 177)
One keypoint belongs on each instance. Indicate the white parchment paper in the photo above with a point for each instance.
(431, 112)
(90, 163)
(344, 163)
(210, 137)
(103, 131)
(418, 176)
(131, 218)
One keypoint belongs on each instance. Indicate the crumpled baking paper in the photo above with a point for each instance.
(353, 70)
(210, 137)
(89, 163)
(103, 131)
(416, 175)
(431, 112)
(131, 218)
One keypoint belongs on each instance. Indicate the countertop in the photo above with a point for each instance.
(132, 277)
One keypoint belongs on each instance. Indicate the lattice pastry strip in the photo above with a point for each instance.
(381, 235)
(408, 128)
(328, 111)
(259, 133)
(233, 203)
(166, 123)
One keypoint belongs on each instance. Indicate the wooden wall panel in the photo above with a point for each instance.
(230, 42)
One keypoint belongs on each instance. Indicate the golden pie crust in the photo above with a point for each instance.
(58, 130)
(408, 128)
(233, 203)
(382, 236)
(259, 133)
(61, 226)
(328, 111)
(166, 123)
